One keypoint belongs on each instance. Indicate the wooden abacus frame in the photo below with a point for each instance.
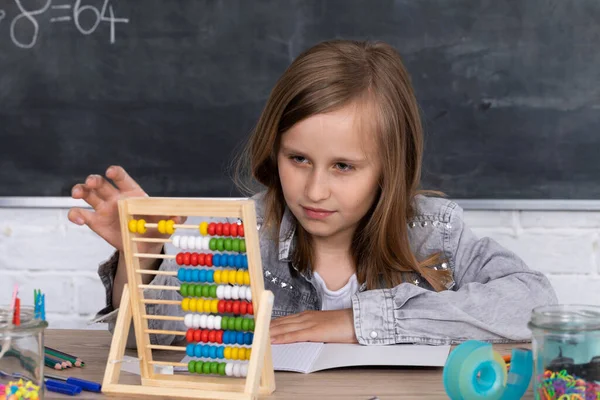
(260, 379)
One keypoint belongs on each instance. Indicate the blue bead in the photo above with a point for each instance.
(237, 261)
(245, 261)
(195, 275)
(198, 350)
(221, 352)
(217, 260)
(202, 275)
(210, 276)
(205, 351)
(226, 337)
(181, 274)
(248, 336)
(188, 275)
(231, 260)
(213, 352)
(240, 338)
(189, 350)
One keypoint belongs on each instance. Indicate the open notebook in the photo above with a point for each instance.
(312, 357)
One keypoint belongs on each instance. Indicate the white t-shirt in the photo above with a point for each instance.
(336, 299)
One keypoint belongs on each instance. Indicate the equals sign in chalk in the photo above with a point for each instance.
(61, 7)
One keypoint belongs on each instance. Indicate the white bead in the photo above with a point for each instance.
(235, 292)
(227, 293)
(210, 322)
(248, 294)
(196, 323)
(206, 243)
(198, 244)
(183, 242)
(236, 370)
(176, 240)
(191, 243)
(218, 322)
(203, 318)
(244, 370)
(188, 320)
(220, 292)
(229, 369)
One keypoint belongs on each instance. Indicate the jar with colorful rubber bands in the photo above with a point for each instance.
(21, 354)
(566, 350)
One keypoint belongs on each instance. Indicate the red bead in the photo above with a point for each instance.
(250, 309)
(212, 336)
(228, 306)
(243, 307)
(204, 336)
(197, 335)
(226, 229)
(201, 259)
(221, 306)
(219, 336)
(194, 259)
(186, 258)
(241, 230)
(219, 229)
(209, 260)
(211, 229)
(179, 258)
(189, 335)
(233, 231)
(236, 307)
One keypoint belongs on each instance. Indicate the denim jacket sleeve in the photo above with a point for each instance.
(491, 300)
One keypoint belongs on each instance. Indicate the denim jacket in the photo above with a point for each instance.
(490, 298)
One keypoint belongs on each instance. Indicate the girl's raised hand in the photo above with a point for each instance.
(103, 197)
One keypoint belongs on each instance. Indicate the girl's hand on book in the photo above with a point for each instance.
(315, 326)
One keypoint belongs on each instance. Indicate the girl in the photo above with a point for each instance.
(351, 248)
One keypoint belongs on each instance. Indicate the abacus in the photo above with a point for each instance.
(225, 278)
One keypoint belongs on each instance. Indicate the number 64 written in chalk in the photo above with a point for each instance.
(100, 15)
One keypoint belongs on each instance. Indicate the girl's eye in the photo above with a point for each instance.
(344, 167)
(298, 159)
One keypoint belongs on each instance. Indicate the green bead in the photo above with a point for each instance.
(227, 244)
(198, 290)
(212, 244)
(238, 324)
(213, 291)
(243, 246)
(220, 246)
(224, 322)
(206, 368)
(251, 327)
(214, 367)
(231, 323)
(191, 366)
(235, 245)
(221, 369)
(198, 367)
(205, 290)
(183, 289)
(245, 324)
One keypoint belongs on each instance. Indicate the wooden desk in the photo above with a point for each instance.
(346, 383)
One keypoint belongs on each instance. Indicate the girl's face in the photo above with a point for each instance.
(329, 171)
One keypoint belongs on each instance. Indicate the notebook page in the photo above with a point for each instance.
(296, 357)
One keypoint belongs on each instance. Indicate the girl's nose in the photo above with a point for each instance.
(317, 186)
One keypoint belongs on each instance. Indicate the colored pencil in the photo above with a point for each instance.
(70, 361)
(75, 360)
(63, 363)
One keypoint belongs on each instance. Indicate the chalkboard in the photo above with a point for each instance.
(509, 90)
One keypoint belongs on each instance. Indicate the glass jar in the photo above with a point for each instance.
(566, 351)
(21, 355)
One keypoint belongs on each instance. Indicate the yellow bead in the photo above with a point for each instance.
(200, 305)
(204, 228)
(214, 306)
(235, 353)
(217, 276)
(224, 276)
(193, 304)
(185, 304)
(227, 352)
(248, 353)
(246, 278)
(133, 226)
(141, 226)
(239, 277)
(207, 306)
(170, 227)
(231, 277)
(242, 353)
(161, 226)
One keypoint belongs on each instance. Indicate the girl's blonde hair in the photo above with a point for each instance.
(327, 77)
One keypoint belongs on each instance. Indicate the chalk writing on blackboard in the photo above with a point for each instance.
(25, 28)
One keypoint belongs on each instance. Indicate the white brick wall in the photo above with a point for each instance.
(40, 248)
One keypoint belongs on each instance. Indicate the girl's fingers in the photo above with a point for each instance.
(287, 328)
(88, 195)
(124, 182)
(79, 216)
(103, 188)
(290, 319)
